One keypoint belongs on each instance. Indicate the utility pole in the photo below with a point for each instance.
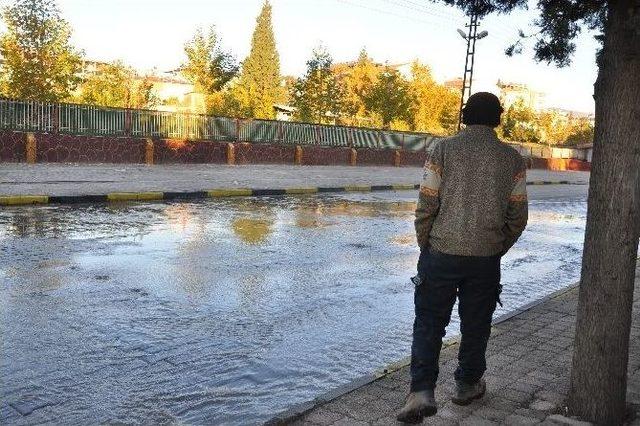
(471, 38)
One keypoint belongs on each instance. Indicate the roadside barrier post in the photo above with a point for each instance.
(148, 152)
(298, 156)
(231, 154)
(397, 158)
(31, 148)
(354, 157)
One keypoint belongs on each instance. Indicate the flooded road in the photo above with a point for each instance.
(226, 311)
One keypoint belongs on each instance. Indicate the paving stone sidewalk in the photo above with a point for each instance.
(56, 179)
(529, 359)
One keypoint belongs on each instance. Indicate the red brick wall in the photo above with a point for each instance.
(413, 158)
(375, 157)
(325, 156)
(181, 151)
(13, 147)
(559, 164)
(88, 149)
(263, 153)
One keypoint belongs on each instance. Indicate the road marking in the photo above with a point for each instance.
(232, 192)
(134, 196)
(15, 200)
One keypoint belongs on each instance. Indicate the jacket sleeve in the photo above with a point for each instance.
(429, 198)
(517, 208)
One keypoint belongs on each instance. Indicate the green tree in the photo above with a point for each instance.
(389, 97)
(599, 370)
(208, 67)
(39, 61)
(259, 86)
(318, 95)
(117, 85)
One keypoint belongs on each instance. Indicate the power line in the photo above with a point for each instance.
(388, 12)
(415, 7)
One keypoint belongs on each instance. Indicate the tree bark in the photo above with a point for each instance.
(599, 372)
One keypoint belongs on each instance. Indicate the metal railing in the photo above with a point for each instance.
(34, 116)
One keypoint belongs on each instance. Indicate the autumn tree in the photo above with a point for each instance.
(389, 97)
(520, 123)
(39, 61)
(433, 107)
(553, 127)
(117, 85)
(357, 79)
(208, 67)
(259, 86)
(581, 131)
(317, 95)
(599, 369)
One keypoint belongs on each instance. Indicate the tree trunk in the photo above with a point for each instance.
(599, 373)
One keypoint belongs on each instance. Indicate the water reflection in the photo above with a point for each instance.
(230, 310)
(252, 231)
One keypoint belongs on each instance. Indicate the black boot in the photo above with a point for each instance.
(466, 393)
(418, 406)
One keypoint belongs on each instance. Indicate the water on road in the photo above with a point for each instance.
(224, 311)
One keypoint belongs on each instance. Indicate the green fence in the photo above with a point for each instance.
(32, 116)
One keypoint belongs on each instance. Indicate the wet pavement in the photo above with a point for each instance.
(226, 311)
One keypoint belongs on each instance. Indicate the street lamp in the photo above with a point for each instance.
(471, 38)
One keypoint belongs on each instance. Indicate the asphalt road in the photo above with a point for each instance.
(82, 179)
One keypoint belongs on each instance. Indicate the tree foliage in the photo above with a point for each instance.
(434, 107)
(39, 61)
(317, 95)
(357, 80)
(208, 67)
(389, 97)
(519, 123)
(118, 86)
(259, 86)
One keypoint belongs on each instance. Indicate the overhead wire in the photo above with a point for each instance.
(390, 12)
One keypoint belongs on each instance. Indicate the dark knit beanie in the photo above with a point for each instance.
(482, 108)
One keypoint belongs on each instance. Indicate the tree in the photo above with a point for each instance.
(434, 108)
(259, 86)
(519, 123)
(39, 61)
(580, 131)
(207, 67)
(118, 86)
(553, 127)
(389, 97)
(357, 79)
(318, 95)
(599, 369)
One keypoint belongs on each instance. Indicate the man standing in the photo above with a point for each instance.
(472, 209)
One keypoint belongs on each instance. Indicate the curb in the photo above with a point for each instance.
(17, 200)
(300, 409)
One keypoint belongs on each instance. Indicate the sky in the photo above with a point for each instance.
(150, 34)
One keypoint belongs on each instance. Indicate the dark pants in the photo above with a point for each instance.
(476, 282)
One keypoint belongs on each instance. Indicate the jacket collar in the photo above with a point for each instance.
(480, 131)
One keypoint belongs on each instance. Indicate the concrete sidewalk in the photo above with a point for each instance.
(56, 179)
(528, 358)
